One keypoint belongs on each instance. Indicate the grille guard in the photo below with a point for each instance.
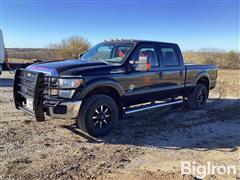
(35, 87)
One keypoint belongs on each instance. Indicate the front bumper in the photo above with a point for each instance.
(65, 110)
(34, 87)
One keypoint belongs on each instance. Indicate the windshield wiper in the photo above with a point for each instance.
(102, 60)
(94, 60)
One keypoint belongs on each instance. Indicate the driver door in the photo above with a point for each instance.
(140, 85)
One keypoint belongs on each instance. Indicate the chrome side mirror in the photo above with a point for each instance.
(142, 64)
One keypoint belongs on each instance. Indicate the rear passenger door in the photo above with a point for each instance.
(172, 69)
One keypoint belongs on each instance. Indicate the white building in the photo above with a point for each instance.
(2, 51)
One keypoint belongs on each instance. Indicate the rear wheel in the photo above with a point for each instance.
(97, 115)
(197, 99)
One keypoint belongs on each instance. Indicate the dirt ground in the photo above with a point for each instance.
(146, 145)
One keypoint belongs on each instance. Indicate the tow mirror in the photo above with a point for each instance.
(80, 55)
(142, 64)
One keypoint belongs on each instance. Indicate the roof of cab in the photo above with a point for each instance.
(135, 41)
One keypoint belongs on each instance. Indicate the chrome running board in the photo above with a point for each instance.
(151, 106)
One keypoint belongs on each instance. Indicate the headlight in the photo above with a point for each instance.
(68, 83)
(53, 83)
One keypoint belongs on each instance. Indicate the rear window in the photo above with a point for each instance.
(169, 56)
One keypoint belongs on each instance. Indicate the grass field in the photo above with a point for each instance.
(16, 60)
(228, 84)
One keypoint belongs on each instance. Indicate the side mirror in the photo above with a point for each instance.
(36, 60)
(142, 64)
(80, 55)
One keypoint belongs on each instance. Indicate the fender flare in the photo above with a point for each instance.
(201, 75)
(101, 83)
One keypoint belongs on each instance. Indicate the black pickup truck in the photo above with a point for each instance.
(111, 79)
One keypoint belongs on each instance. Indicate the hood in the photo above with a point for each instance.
(57, 67)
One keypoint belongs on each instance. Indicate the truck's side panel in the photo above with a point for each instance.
(195, 72)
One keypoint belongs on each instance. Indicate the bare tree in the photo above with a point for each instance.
(71, 47)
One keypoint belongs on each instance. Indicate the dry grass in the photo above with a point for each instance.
(16, 60)
(228, 84)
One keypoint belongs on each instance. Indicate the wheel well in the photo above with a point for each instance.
(109, 91)
(204, 80)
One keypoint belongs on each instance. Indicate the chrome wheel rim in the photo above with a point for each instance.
(101, 116)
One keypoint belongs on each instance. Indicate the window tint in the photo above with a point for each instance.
(103, 52)
(122, 51)
(169, 57)
(150, 54)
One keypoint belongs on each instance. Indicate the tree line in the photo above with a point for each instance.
(224, 60)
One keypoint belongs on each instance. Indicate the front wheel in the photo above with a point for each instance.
(97, 115)
(197, 99)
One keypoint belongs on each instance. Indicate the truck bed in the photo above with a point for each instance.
(193, 71)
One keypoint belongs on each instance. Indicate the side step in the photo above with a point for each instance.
(151, 106)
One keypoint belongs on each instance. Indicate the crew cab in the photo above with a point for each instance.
(111, 79)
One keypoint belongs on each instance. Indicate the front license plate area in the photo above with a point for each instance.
(29, 103)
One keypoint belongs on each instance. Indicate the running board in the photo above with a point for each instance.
(151, 106)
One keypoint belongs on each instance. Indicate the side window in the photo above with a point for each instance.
(149, 53)
(169, 56)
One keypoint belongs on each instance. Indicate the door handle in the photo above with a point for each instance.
(161, 75)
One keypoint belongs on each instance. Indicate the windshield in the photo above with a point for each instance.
(108, 52)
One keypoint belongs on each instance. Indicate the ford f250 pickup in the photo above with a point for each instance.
(111, 79)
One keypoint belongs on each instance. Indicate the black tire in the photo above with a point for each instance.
(97, 115)
(197, 99)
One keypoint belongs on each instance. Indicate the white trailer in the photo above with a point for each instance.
(2, 51)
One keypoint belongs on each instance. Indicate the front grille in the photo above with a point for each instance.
(40, 89)
(27, 83)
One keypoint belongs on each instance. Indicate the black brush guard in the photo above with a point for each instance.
(36, 86)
